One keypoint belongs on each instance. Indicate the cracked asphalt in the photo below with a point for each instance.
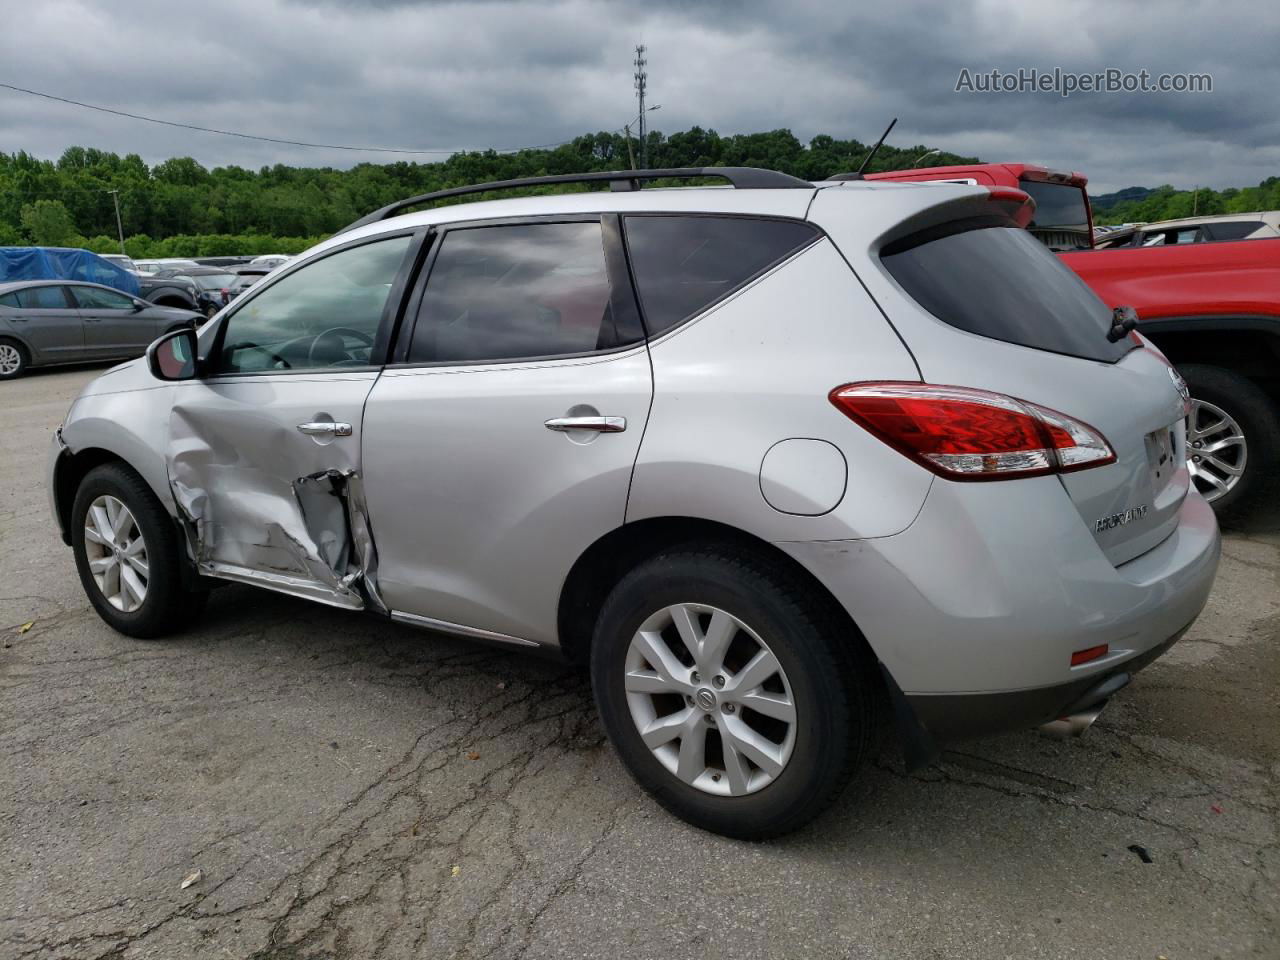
(358, 789)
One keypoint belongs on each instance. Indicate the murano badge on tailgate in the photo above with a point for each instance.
(1120, 519)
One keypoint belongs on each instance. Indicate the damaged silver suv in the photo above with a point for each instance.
(767, 458)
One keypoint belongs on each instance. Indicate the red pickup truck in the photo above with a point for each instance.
(1213, 308)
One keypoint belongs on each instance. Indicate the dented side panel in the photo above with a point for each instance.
(264, 503)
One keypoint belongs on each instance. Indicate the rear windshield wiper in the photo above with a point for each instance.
(1123, 320)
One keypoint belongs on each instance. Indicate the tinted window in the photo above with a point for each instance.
(92, 298)
(42, 298)
(683, 265)
(1000, 282)
(212, 281)
(503, 293)
(1057, 205)
(1234, 230)
(8, 300)
(325, 314)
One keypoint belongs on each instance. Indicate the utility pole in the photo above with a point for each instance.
(642, 81)
(630, 155)
(115, 195)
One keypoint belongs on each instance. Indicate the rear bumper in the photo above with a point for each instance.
(975, 609)
(967, 715)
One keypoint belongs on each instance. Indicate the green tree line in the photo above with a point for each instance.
(181, 208)
(1166, 203)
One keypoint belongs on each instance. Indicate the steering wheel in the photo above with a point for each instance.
(332, 339)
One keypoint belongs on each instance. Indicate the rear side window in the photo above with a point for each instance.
(1233, 229)
(8, 299)
(43, 298)
(1000, 282)
(516, 292)
(684, 264)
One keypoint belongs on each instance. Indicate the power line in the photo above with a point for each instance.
(250, 136)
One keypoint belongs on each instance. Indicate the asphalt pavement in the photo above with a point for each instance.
(334, 786)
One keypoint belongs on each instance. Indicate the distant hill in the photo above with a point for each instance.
(1106, 201)
(68, 202)
(1143, 205)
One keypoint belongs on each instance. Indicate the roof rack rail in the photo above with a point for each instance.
(742, 178)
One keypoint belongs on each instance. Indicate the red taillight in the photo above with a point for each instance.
(966, 434)
(1089, 654)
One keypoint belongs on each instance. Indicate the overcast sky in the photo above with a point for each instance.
(431, 75)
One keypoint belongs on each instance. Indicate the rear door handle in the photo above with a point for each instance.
(598, 424)
(320, 428)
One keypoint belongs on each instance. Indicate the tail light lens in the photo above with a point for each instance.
(966, 434)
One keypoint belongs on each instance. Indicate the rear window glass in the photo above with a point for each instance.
(684, 264)
(1234, 229)
(1000, 282)
(1058, 205)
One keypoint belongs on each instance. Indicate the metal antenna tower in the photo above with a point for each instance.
(642, 80)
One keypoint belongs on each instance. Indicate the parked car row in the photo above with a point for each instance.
(772, 461)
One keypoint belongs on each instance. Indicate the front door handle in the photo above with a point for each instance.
(320, 428)
(598, 424)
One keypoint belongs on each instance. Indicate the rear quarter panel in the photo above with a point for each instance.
(757, 369)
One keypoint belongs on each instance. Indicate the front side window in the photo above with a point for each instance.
(323, 315)
(93, 298)
(684, 264)
(513, 292)
(42, 298)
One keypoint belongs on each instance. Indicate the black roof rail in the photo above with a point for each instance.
(742, 178)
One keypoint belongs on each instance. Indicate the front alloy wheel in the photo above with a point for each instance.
(710, 699)
(117, 553)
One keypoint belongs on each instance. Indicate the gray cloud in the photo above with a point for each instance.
(435, 75)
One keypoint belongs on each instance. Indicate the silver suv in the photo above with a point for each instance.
(771, 459)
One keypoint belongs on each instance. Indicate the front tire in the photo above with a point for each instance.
(128, 555)
(14, 359)
(1238, 428)
(730, 691)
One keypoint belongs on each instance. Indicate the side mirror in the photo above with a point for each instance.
(173, 356)
(139, 305)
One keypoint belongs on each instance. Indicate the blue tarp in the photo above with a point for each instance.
(63, 263)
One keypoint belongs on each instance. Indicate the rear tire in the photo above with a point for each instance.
(114, 570)
(14, 359)
(830, 690)
(1259, 421)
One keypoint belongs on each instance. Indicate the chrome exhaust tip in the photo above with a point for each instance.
(1073, 725)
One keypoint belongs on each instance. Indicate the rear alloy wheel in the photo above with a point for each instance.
(724, 724)
(732, 692)
(13, 360)
(1233, 440)
(1216, 448)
